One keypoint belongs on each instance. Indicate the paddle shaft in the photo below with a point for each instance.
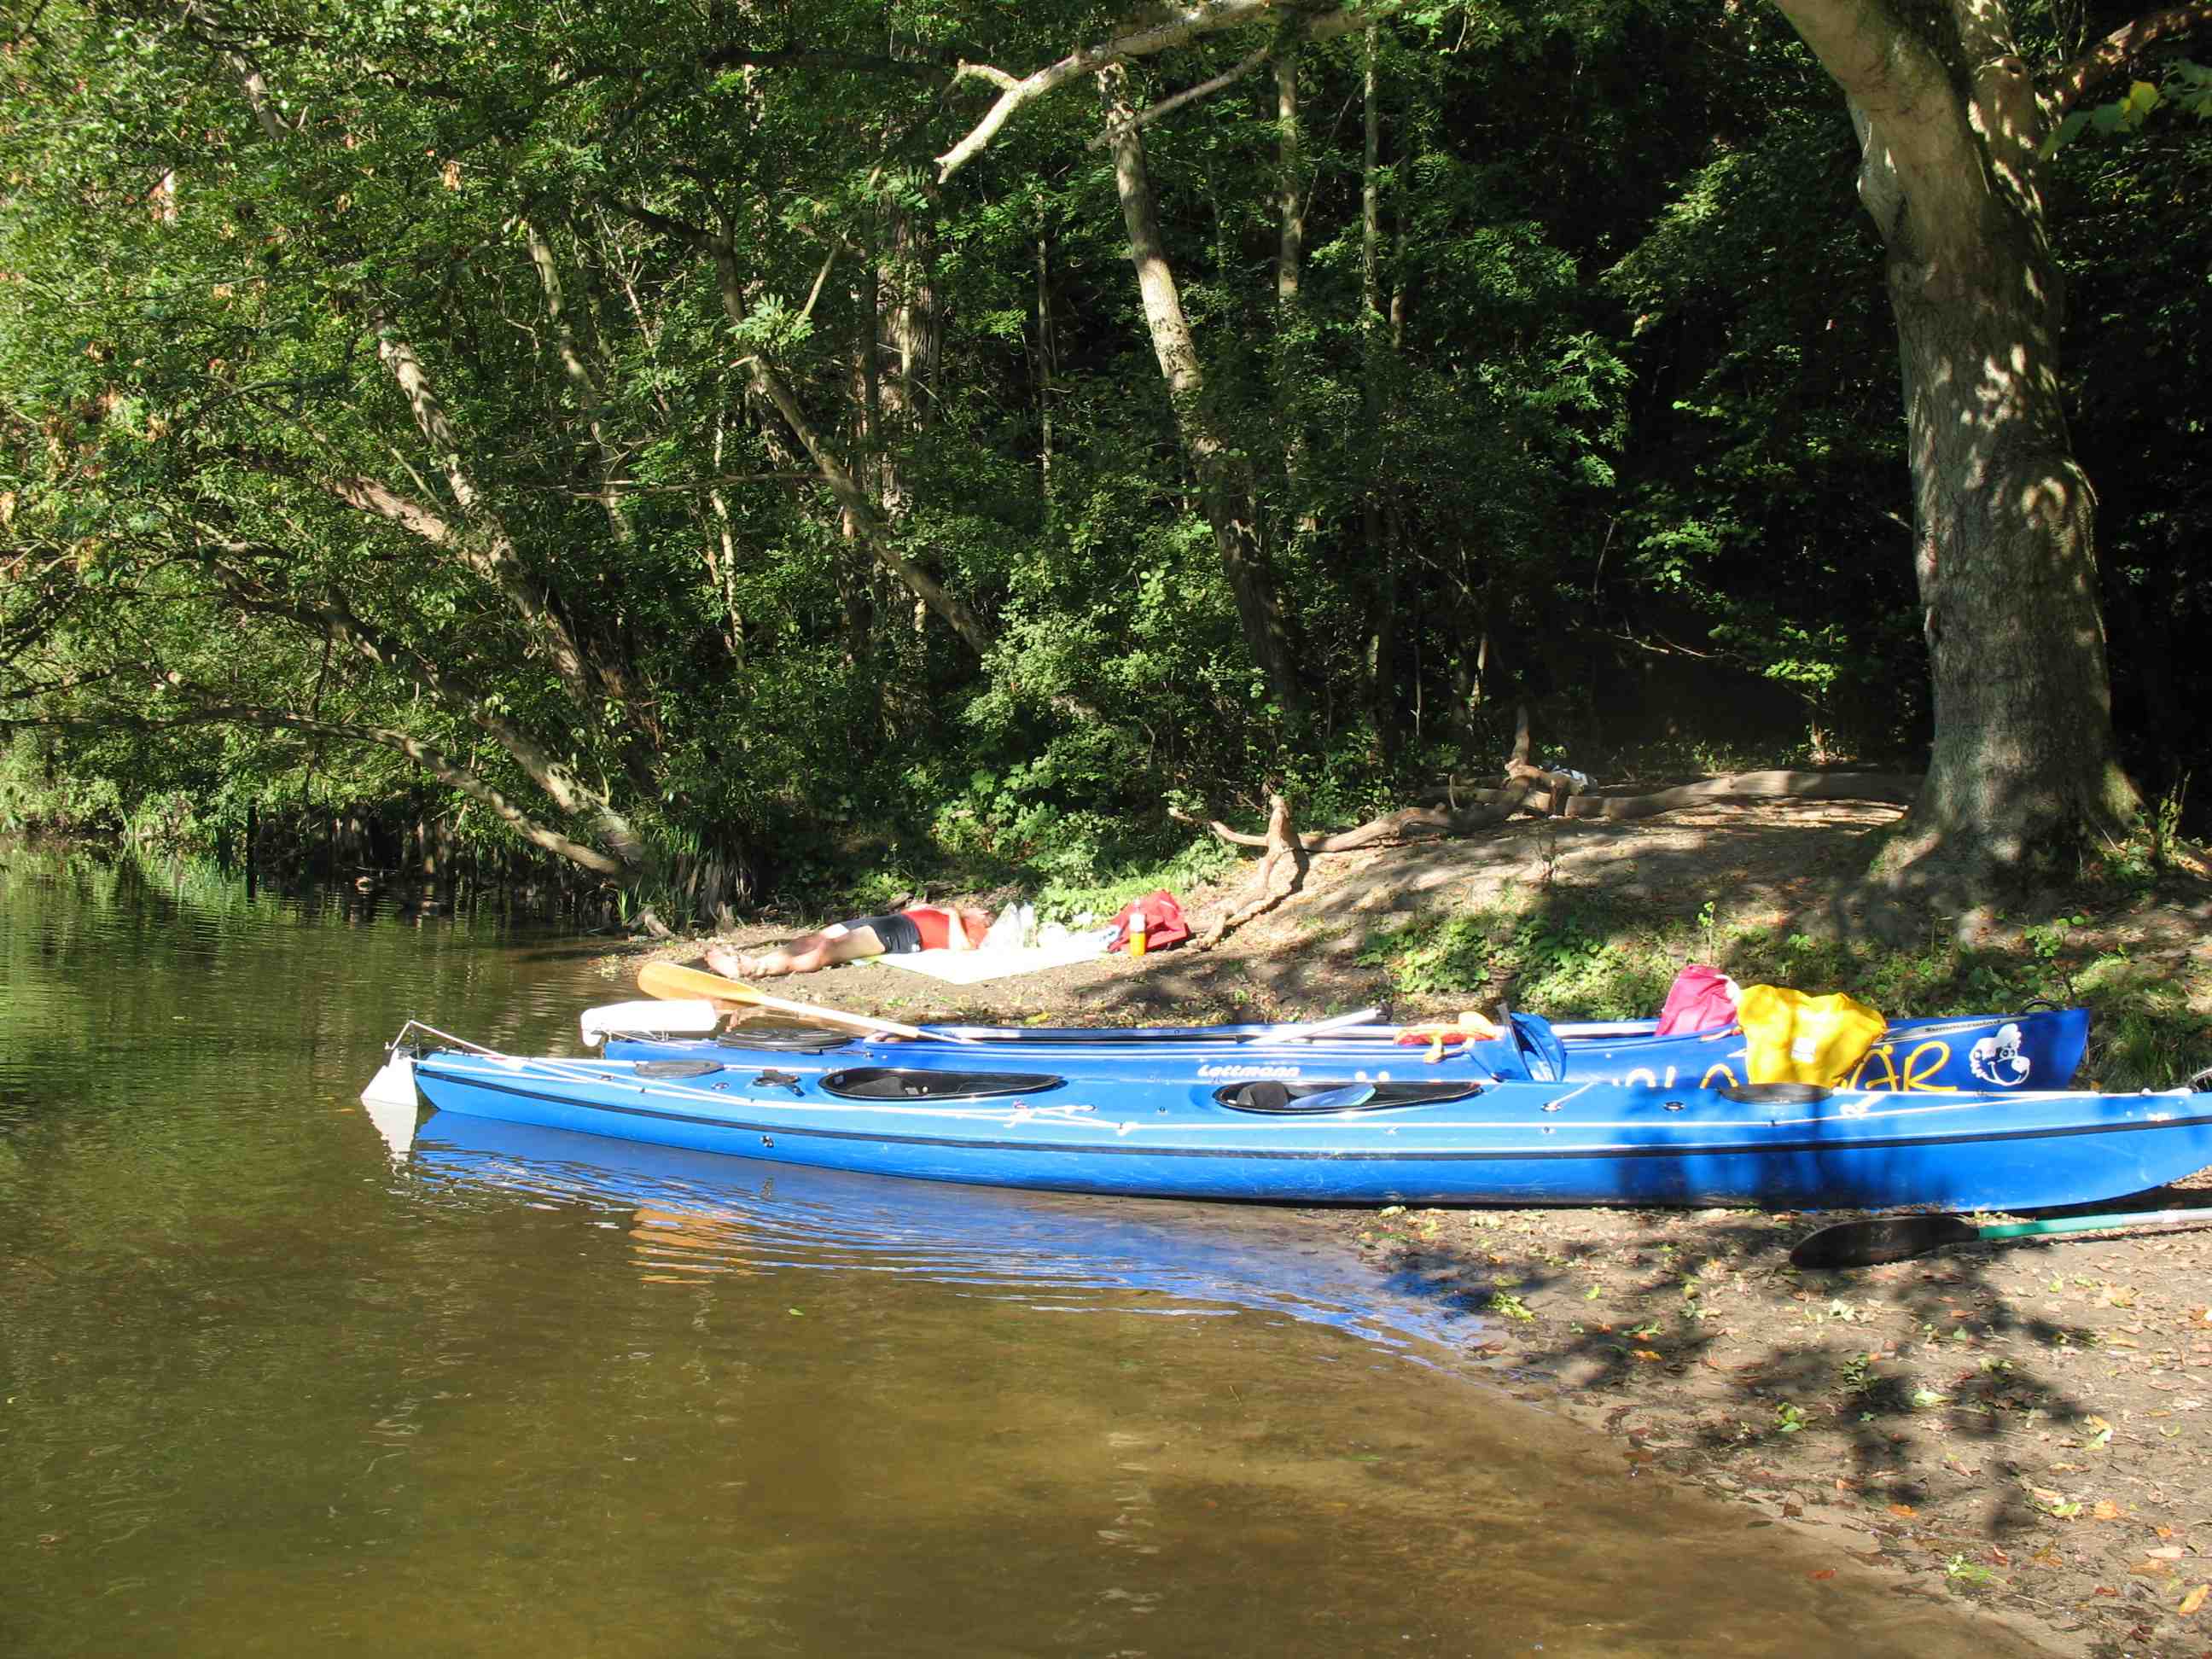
(1300, 1033)
(673, 982)
(2144, 1221)
(816, 1011)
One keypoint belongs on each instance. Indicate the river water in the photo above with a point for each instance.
(268, 1386)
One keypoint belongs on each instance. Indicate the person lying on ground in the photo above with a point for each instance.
(919, 927)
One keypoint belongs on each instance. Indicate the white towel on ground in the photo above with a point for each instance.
(970, 967)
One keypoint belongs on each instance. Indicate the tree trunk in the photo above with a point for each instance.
(2023, 774)
(1290, 280)
(1046, 360)
(2023, 768)
(917, 337)
(1289, 186)
(583, 380)
(856, 571)
(1225, 473)
(722, 549)
(1379, 667)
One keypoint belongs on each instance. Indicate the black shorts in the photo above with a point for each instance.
(900, 936)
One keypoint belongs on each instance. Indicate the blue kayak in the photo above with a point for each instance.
(2039, 1048)
(1497, 1123)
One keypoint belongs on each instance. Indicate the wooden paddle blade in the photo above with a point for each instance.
(674, 982)
(1886, 1238)
(678, 983)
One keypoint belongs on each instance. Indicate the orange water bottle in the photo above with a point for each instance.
(1137, 930)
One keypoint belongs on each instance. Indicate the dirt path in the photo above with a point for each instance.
(2026, 1426)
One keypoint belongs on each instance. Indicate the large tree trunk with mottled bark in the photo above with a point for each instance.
(2023, 774)
(2023, 768)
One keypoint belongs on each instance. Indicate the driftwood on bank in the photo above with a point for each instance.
(1281, 840)
(1530, 791)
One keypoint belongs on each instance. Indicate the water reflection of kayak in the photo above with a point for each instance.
(697, 1214)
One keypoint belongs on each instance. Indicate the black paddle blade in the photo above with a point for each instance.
(1887, 1238)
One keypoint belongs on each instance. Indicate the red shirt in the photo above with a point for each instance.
(935, 925)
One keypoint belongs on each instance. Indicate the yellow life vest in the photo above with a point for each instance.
(1791, 1037)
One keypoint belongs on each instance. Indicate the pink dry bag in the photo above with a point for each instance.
(1701, 998)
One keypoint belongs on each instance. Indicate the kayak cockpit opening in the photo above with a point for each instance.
(1275, 1096)
(895, 1083)
(1775, 1094)
(676, 1071)
(784, 1035)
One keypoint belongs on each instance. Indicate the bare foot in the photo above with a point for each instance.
(726, 962)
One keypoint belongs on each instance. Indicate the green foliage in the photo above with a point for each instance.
(2187, 90)
(36, 794)
(1067, 898)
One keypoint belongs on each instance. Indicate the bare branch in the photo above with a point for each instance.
(997, 77)
(1281, 841)
(409, 515)
(1188, 95)
(31, 688)
(1182, 25)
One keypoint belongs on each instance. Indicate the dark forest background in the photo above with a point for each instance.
(603, 436)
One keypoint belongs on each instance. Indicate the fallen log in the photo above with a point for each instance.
(1281, 841)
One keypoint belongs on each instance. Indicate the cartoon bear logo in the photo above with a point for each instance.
(1997, 1060)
